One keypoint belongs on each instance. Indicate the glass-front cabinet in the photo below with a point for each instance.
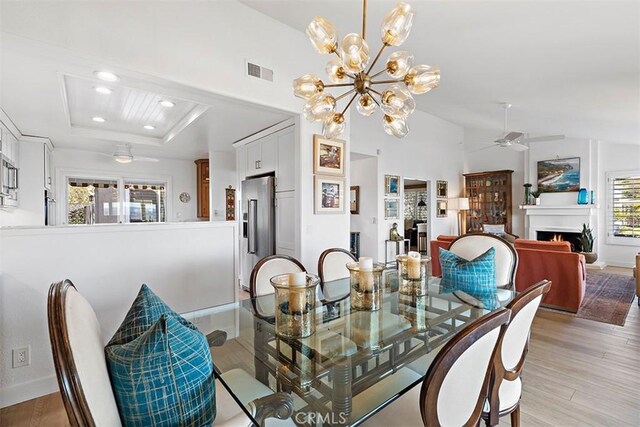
(489, 196)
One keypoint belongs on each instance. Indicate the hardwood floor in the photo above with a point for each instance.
(578, 373)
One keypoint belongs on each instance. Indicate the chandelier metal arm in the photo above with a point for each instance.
(344, 94)
(349, 104)
(378, 73)
(364, 19)
(339, 85)
(376, 92)
(380, 82)
(373, 97)
(384, 45)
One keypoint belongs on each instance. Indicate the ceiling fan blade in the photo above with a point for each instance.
(517, 147)
(545, 138)
(145, 159)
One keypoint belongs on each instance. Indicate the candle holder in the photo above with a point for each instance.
(366, 286)
(413, 308)
(366, 329)
(295, 306)
(413, 279)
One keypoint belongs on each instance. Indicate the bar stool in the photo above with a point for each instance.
(422, 238)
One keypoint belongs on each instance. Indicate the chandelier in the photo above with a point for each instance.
(351, 69)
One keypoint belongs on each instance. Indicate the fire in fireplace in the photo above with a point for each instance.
(561, 236)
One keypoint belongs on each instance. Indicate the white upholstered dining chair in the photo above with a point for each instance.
(268, 267)
(332, 265)
(81, 368)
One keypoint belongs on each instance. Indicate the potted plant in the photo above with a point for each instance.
(586, 241)
(536, 196)
(527, 193)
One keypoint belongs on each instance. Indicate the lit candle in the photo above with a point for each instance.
(365, 265)
(297, 302)
(413, 265)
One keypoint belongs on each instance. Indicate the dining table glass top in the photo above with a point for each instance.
(355, 363)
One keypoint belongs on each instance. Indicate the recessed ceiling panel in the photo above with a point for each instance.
(125, 110)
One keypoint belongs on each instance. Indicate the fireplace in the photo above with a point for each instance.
(560, 236)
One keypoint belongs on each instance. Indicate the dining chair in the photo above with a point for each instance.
(470, 246)
(505, 386)
(455, 387)
(332, 265)
(81, 369)
(266, 268)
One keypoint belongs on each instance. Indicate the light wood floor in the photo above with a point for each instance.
(578, 373)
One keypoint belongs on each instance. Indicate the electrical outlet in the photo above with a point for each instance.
(21, 356)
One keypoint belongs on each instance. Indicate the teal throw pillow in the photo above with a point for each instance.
(475, 277)
(144, 313)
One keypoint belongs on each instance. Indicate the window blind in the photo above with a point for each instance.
(624, 207)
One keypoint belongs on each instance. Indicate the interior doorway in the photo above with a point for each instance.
(416, 214)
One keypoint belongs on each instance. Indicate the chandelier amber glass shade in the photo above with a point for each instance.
(323, 35)
(352, 69)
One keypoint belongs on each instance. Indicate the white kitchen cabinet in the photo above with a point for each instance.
(285, 223)
(261, 156)
(47, 167)
(9, 146)
(285, 171)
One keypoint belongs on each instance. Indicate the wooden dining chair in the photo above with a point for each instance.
(505, 386)
(332, 265)
(455, 387)
(266, 268)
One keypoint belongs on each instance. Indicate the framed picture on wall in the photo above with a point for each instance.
(392, 185)
(329, 195)
(354, 200)
(441, 208)
(328, 156)
(391, 208)
(559, 175)
(442, 189)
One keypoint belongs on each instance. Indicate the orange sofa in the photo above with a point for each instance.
(443, 242)
(552, 261)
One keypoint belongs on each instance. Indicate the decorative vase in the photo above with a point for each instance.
(537, 200)
(527, 194)
(590, 257)
(295, 306)
(366, 286)
(593, 198)
(583, 197)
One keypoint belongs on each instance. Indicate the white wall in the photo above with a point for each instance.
(181, 173)
(432, 151)
(364, 173)
(190, 266)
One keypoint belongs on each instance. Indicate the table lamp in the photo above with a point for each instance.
(463, 205)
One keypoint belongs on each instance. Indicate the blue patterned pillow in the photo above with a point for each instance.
(164, 377)
(144, 313)
(476, 277)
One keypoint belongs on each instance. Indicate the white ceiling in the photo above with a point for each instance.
(32, 93)
(568, 67)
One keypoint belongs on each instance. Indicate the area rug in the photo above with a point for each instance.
(607, 298)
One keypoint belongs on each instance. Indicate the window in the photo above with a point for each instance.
(415, 206)
(99, 200)
(623, 208)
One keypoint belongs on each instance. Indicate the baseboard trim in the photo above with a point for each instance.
(28, 390)
(618, 263)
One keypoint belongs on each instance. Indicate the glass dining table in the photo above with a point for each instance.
(355, 363)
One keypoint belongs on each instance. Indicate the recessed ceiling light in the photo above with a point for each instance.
(103, 90)
(149, 127)
(99, 119)
(106, 76)
(166, 103)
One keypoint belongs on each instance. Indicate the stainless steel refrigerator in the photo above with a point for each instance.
(258, 223)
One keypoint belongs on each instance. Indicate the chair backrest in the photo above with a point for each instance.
(78, 356)
(266, 268)
(332, 264)
(455, 387)
(513, 342)
(470, 246)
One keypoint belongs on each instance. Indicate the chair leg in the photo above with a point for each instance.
(515, 417)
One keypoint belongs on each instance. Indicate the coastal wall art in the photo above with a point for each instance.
(559, 175)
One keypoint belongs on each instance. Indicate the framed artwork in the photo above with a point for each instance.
(392, 185)
(441, 208)
(559, 175)
(328, 156)
(442, 189)
(391, 207)
(329, 194)
(354, 199)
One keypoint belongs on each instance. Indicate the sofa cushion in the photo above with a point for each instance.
(543, 246)
(144, 313)
(164, 377)
(476, 277)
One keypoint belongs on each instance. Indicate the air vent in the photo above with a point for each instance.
(254, 70)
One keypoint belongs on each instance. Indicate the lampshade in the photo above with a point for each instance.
(463, 203)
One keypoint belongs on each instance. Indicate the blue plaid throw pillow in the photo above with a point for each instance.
(476, 277)
(161, 372)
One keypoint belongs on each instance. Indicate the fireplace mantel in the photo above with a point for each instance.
(570, 210)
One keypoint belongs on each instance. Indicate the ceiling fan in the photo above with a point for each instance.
(517, 140)
(122, 154)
